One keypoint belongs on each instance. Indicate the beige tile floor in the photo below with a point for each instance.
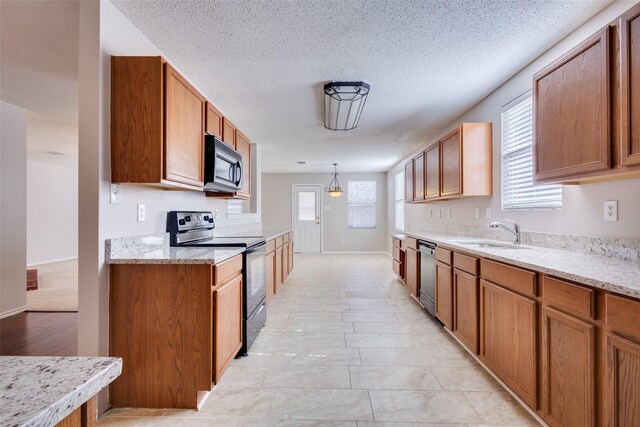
(344, 345)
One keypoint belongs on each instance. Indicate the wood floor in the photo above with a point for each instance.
(39, 334)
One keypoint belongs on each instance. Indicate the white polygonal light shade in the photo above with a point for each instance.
(343, 104)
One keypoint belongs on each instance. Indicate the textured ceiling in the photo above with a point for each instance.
(39, 71)
(263, 64)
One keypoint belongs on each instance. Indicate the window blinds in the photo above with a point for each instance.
(518, 189)
(361, 204)
(399, 201)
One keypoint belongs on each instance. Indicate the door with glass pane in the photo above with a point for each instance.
(306, 217)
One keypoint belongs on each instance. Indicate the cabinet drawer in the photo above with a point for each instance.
(622, 313)
(226, 270)
(397, 243)
(396, 267)
(396, 254)
(574, 298)
(271, 245)
(279, 241)
(411, 243)
(444, 255)
(465, 263)
(514, 278)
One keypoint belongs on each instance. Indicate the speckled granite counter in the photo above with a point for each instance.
(399, 236)
(41, 391)
(272, 234)
(608, 273)
(155, 249)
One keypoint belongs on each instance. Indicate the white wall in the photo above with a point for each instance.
(104, 31)
(276, 210)
(13, 207)
(52, 212)
(582, 212)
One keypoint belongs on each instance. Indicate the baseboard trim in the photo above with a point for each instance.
(51, 262)
(13, 312)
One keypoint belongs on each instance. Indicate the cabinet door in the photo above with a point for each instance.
(285, 261)
(278, 267)
(432, 171)
(465, 287)
(630, 87)
(229, 133)
(271, 279)
(444, 294)
(213, 124)
(621, 391)
(184, 136)
(418, 177)
(243, 146)
(290, 255)
(413, 271)
(227, 325)
(508, 339)
(408, 182)
(571, 112)
(568, 369)
(451, 154)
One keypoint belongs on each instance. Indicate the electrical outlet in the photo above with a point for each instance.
(611, 210)
(115, 195)
(141, 213)
(215, 214)
(344, 240)
(477, 213)
(449, 212)
(488, 213)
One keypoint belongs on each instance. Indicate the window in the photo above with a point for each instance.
(235, 207)
(399, 201)
(307, 206)
(518, 189)
(361, 204)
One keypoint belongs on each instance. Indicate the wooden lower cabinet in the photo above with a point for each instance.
(290, 253)
(568, 370)
(622, 382)
(278, 263)
(85, 416)
(413, 271)
(465, 290)
(285, 262)
(444, 294)
(271, 275)
(508, 342)
(227, 325)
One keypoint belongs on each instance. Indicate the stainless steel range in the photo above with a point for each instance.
(195, 229)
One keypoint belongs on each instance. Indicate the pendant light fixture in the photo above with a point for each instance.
(343, 104)
(334, 189)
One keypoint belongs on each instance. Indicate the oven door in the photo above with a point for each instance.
(223, 166)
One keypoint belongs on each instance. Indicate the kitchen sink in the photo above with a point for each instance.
(490, 244)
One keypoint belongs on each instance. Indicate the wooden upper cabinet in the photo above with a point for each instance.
(243, 146)
(432, 171)
(451, 153)
(229, 133)
(629, 26)
(157, 124)
(408, 181)
(418, 177)
(571, 103)
(214, 120)
(184, 136)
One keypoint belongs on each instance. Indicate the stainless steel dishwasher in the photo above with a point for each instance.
(428, 276)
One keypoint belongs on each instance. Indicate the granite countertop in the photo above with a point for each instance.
(398, 236)
(172, 255)
(41, 391)
(273, 233)
(608, 273)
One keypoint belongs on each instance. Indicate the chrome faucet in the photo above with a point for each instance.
(515, 231)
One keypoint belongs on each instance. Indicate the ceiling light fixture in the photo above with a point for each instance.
(334, 189)
(343, 104)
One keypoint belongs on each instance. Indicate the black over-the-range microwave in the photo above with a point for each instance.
(222, 166)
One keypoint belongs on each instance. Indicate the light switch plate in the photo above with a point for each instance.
(611, 210)
(115, 195)
(142, 214)
(477, 213)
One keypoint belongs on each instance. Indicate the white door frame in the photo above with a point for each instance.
(320, 211)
